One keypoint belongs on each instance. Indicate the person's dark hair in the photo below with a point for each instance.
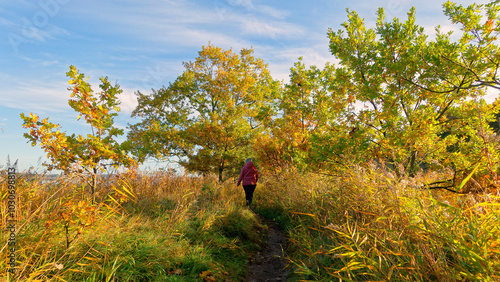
(248, 160)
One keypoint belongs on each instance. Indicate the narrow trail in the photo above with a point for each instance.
(269, 264)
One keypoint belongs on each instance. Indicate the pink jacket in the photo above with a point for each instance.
(249, 175)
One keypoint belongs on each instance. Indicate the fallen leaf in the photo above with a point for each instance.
(177, 271)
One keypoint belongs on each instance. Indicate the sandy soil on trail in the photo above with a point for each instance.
(269, 264)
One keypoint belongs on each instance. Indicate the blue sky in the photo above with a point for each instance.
(142, 44)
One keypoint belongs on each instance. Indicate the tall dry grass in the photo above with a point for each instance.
(361, 225)
(365, 225)
(147, 227)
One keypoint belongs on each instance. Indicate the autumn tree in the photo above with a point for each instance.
(343, 140)
(470, 64)
(309, 106)
(90, 154)
(371, 59)
(405, 92)
(207, 117)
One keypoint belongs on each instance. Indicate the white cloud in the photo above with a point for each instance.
(243, 3)
(271, 29)
(33, 97)
(273, 12)
(41, 62)
(281, 58)
(491, 94)
(198, 37)
(128, 101)
(189, 23)
(397, 8)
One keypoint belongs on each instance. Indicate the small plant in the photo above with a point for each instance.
(74, 218)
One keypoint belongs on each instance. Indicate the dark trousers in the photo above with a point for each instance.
(249, 192)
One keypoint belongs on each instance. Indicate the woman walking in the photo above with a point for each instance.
(249, 175)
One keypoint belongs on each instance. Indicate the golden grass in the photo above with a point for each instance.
(362, 225)
(367, 226)
(140, 226)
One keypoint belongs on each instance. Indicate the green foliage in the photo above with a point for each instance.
(472, 141)
(413, 90)
(304, 109)
(208, 115)
(476, 55)
(398, 118)
(395, 96)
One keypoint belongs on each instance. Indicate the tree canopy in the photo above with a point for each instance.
(394, 95)
(208, 116)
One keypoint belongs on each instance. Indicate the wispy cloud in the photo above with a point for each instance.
(188, 23)
(272, 12)
(281, 59)
(7, 23)
(243, 3)
(40, 62)
(33, 95)
(36, 98)
(271, 29)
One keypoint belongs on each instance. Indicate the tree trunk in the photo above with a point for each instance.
(94, 180)
(221, 169)
(94, 183)
(410, 168)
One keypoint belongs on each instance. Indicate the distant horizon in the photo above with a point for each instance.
(41, 169)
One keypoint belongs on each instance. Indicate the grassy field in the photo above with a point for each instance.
(361, 225)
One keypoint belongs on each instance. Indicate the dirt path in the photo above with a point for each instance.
(269, 264)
